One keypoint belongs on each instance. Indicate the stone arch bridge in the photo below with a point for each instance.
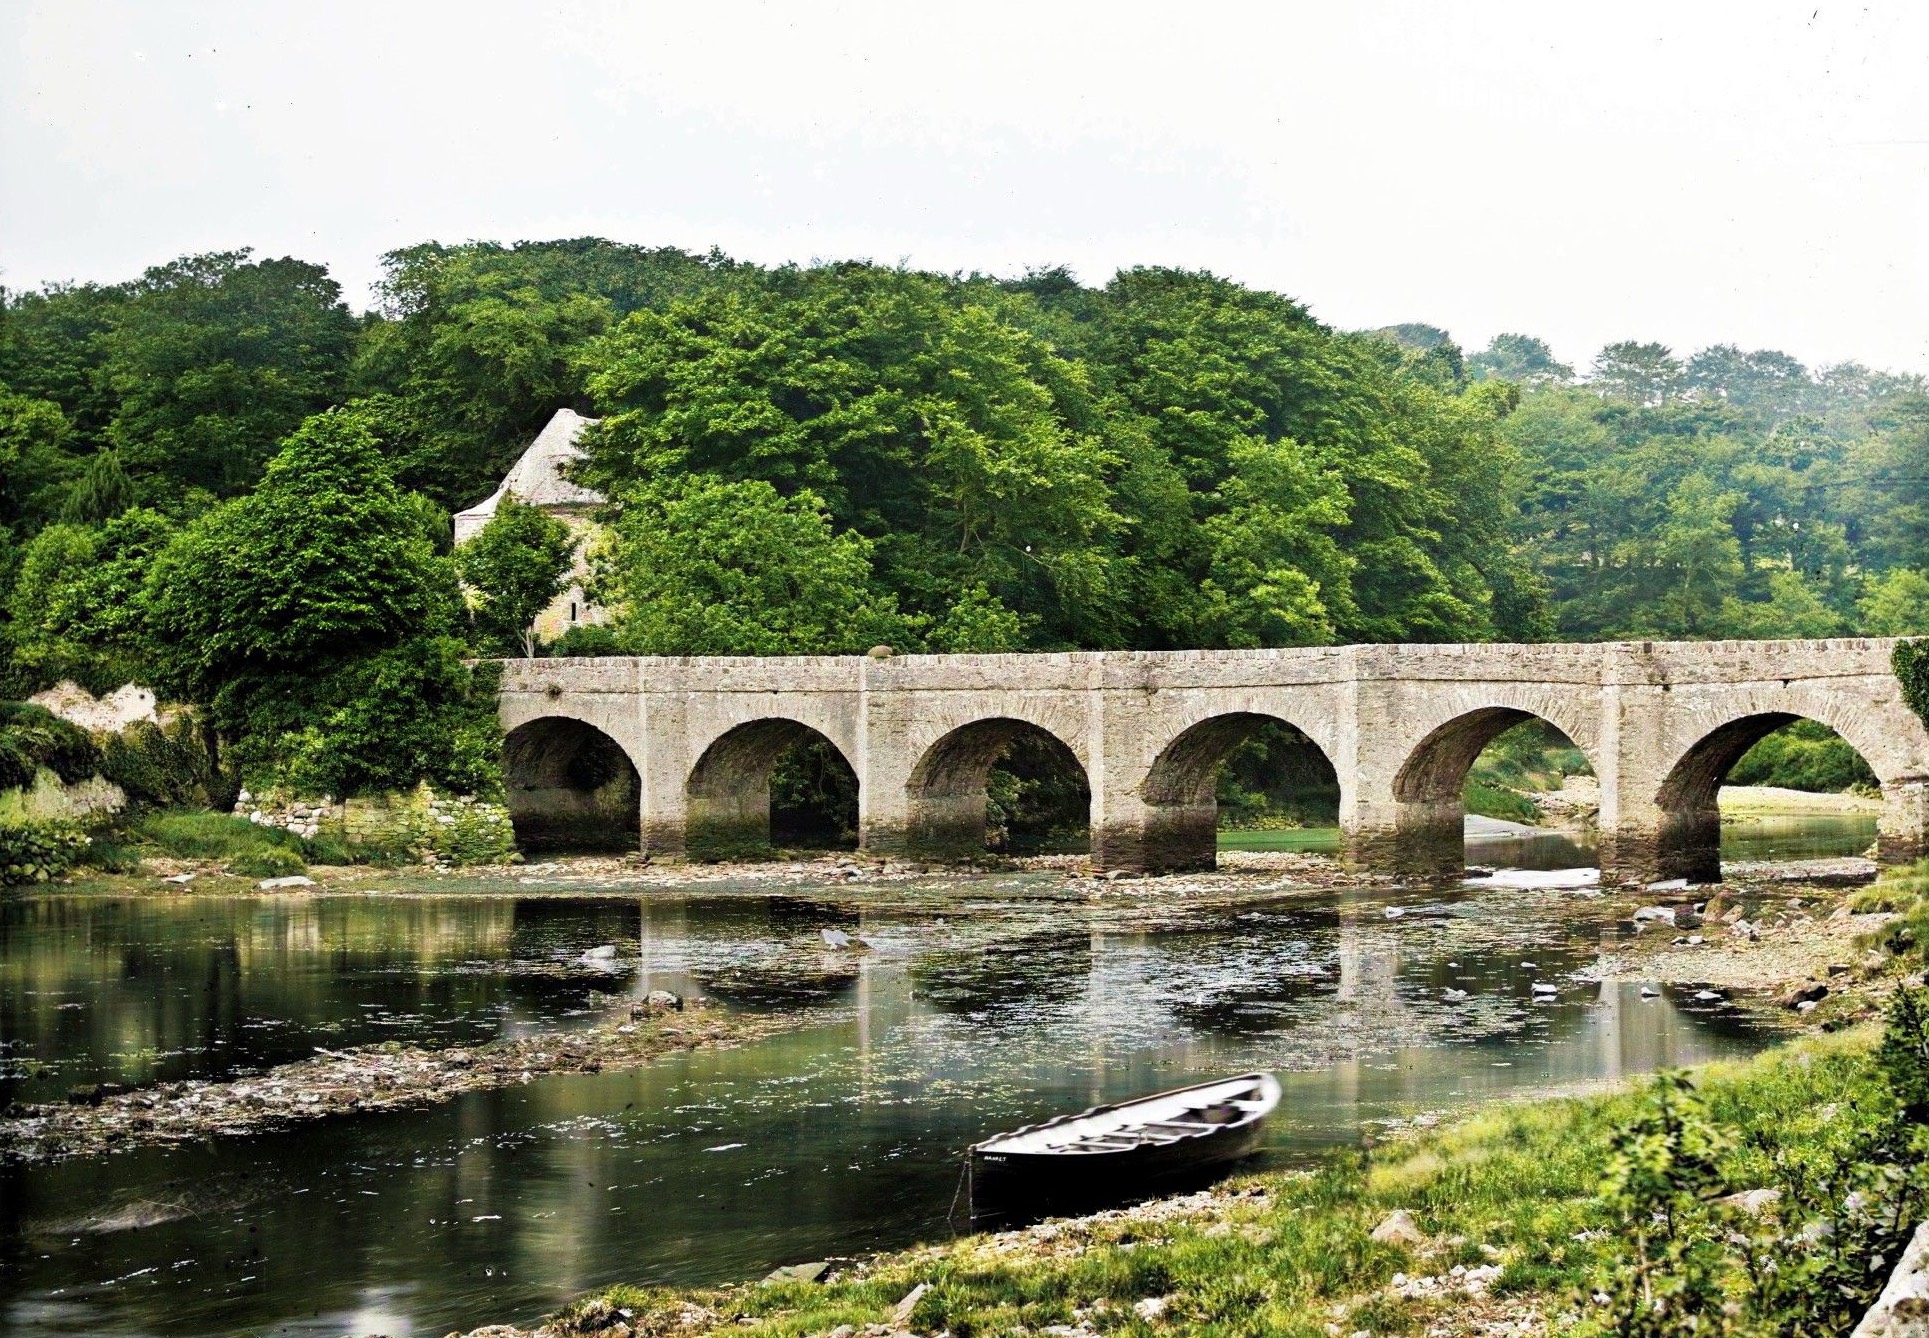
(684, 747)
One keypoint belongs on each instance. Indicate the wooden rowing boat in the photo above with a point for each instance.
(1114, 1154)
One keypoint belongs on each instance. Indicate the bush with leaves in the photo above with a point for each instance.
(32, 737)
(162, 765)
(514, 568)
(1910, 660)
(381, 723)
(1847, 1194)
(312, 619)
(1663, 1174)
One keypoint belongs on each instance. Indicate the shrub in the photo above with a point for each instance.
(213, 836)
(1805, 755)
(32, 737)
(381, 723)
(586, 640)
(461, 830)
(268, 862)
(1910, 661)
(161, 766)
(34, 852)
(1851, 1184)
(107, 852)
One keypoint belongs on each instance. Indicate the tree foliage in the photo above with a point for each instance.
(313, 617)
(706, 567)
(513, 569)
(216, 478)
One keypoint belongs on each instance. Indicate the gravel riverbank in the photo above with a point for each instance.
(367, 1078)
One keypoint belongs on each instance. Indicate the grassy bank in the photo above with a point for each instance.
(1511, 1218)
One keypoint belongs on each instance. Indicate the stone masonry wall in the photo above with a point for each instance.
(1398, 723)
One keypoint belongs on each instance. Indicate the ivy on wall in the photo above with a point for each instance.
(1910, 660)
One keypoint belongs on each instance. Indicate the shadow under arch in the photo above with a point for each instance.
(947, 794)
(1180, 789)
(1688, 841)
(570, 787)
(1429, 788)
(728, 791)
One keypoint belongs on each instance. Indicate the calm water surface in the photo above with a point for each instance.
(981, 1006)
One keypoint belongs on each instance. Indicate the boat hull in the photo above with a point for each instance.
(1012, 1188)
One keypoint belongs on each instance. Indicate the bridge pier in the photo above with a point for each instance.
(690, 742)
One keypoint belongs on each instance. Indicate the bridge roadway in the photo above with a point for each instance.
(683, 748)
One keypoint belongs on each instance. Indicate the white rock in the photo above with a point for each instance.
(1902, 1311)
(293, 880)
(909, 1303)
(1399, 1228)
(1150, 1307)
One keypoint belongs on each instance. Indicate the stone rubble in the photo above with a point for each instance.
(367, 1078)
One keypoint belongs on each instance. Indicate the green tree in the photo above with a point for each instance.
(959, 444)
(1519, 358)
(77, 607)
(477, 345)
(1696, 560)
(514, 567)
(101, 492)
(1897, 604)
(34, 465)
(1644, 374)
(701, 566)
(212, 360)
(270, 608)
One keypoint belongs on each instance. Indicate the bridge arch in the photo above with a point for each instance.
(1688, 835)
(570, 786)
(727, 793)
(1429, 786)
(946, 792)
(1180, 789)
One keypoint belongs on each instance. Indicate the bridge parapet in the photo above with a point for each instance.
(1661, 722)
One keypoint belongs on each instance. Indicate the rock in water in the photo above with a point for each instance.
(837, 938)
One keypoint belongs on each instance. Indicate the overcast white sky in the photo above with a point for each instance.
(1695, 173)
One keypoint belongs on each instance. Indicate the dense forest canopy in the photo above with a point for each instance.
(819, 458)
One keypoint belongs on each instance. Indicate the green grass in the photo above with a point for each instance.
(1279, 838)
(1497, 801)
(1517, 1183)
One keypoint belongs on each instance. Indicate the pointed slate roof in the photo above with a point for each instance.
(537, 478)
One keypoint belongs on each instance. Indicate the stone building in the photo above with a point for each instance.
(538, 479)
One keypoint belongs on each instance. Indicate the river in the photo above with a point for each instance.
(981, 1004)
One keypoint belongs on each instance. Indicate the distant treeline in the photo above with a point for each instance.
(823, 458)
